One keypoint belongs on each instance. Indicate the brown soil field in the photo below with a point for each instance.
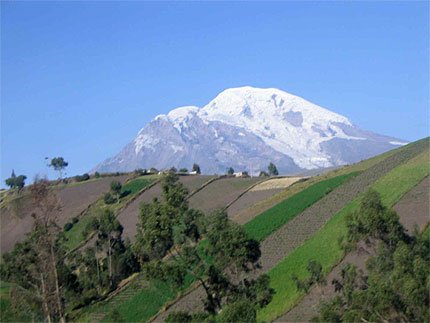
(249, 199)
(129, 215)
(280, 243)
(16, 218)
(413, 209)
(220, 193)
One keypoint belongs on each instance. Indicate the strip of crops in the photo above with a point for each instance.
(269, 221)
(324, 247)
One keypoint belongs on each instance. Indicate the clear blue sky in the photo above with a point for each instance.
(79, 79)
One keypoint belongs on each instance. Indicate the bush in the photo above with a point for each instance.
(263, 174)
(82, 178)
(183, 170)
(68, 226)
(75, 220)
(108, 198)
(96, 174)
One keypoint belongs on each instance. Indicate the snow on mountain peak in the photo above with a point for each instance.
(247, 124)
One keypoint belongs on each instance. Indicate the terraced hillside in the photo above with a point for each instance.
(16, 218)
(129, 215)
(294, 233)
(221, 193)
(413, 209)
(323, 246)
(260, 192)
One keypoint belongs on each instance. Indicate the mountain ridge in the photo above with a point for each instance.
(246, 128)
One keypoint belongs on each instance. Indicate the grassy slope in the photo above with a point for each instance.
(75, 235)
(323, 246)
(269, 221)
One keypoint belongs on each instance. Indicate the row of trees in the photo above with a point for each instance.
(18, 182)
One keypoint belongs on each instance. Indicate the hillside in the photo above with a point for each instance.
(295, 220)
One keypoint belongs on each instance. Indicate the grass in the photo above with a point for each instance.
(269, 221)
(135, 185)
(324, 247)
(9, 313)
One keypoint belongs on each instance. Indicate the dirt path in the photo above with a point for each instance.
(16, 220)
(280, 243)
(413, 209)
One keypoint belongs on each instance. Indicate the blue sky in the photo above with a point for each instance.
(79, 79)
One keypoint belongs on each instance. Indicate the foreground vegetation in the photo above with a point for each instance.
(324, 248)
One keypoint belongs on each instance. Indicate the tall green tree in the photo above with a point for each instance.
(16, 182)
(116, 187)
(273, 171)
(59, 165)
(230, 171)
(172, 229)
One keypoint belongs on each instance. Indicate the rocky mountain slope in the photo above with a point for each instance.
(246, 128)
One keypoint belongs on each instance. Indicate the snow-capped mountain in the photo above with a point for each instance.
(246, 128)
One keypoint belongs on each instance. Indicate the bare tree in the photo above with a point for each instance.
(44, 239)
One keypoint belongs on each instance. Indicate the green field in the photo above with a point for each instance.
(269, 221)
(324, 247)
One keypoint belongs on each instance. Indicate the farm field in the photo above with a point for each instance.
(417, 198)
(323, 246)
(16, 220)
(129, 215)
(269, 221)
(75, 235)
(220, 193)
(275, 183)
(283, 241)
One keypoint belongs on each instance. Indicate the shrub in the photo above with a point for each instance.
(82, 178)
(68, 226)
(75, 220)
(183, 170)
(108, 198)
(96, 174)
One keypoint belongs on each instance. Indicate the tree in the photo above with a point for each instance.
(273, 171)
(37, 263)
(196, 168)
(183, 170)
(396, 287)
(263, 174)
(16, 182)
(230, 171)
(59, 164)
(116, 188)
(172, 229)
